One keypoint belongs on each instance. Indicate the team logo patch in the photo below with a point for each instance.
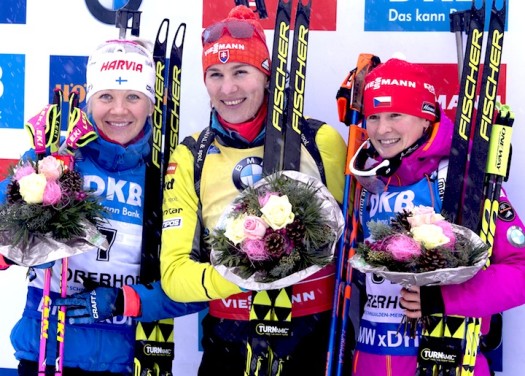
(382, 102)
(516, 237)
(247, 172)
(506, 212)
(224, 56)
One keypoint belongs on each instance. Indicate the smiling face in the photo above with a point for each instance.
(236, 90)
(392, 132)
(120, 114)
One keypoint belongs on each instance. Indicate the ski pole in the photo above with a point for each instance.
(349, 104)
(45, 133)
(61, 320)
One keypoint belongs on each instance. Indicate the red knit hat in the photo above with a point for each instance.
(238, 38)
(402, 87)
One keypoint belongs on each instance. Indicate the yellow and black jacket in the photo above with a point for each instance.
(197, 193)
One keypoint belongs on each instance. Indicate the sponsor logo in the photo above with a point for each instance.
(172, 223)
(156, 350)
(271, 329)
(173, 211)
(223, 49)
(168, 184)
(411, 15)
(506, 212)
(172, 167)
(94, 308)
(106, 279)
(429, 108)
(247, 172)
(121, 65)
(440, 356)
(380, 336)
(516, 236)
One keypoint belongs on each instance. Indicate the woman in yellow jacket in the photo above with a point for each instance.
(206, 172)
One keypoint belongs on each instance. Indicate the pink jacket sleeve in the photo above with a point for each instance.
(501, 286)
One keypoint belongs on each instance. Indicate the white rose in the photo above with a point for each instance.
(32, 188)
(277, 212)
(430, 236)
(235, 229)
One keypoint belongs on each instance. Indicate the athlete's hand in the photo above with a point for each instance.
(411, 301)
(93, 306)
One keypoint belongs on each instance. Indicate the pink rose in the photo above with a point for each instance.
(24, 170)
(448, 232)
(50, 167)
(264, 199)
(401, 247)
(254, 227)
(423, 215)
(52, 193)
(254, 249)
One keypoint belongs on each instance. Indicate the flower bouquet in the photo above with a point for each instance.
(47, 214)
(276, 233)
(421, 248)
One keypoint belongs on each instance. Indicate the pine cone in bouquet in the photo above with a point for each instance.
(71, 182)
(274, 243)
(13, 192)
(296, 231)
(433, 259)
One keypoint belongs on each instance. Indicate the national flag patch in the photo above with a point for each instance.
(224, 56)
(383, 101)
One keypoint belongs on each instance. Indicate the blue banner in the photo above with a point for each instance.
(13, 12)
(12, 69)
(415, 15)
(67, 73)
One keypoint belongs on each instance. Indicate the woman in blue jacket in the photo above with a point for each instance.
(120, 100)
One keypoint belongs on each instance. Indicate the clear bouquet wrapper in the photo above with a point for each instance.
(259, 280)
(42, 249)
(444, 276)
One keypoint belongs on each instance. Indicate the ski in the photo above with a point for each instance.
(282, 145)
(484, 118)
(296, 88)
(349, 104)
(274, 139)
(171, 137)
(463, 203)
(465, 110)
(146, 362)
(165, 123)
